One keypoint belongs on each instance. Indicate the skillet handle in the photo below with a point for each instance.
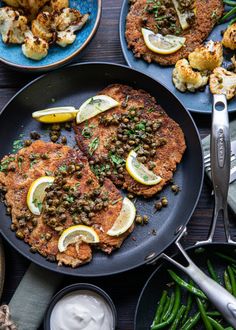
(217, 294)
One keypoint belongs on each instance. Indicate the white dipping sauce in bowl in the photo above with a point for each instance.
(81, 310)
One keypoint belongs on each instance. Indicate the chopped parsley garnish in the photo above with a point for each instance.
(62, 168)
(87, 133)
(49, 173)
(4, 164)
(140, 126)
(33, 162)
(116, 201)
(93, 145)
(17, 145)
(116, 159)
(70, 199)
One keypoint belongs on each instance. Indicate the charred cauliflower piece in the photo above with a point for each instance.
(229, 37)
(43, 27)
(65, 38)
(12, 25)
(31, 7)
(185, 78)
(34, 48)
(68, 17)
(59, 4)
(223, 82)
(207, 57)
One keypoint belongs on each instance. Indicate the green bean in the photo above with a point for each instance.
(160, 307)
(172, 300)
(178, 318)
(232, 280)
(212, 271)
(186, 285)
(191, 322)
(188, 306)
(223, 256)
(232, 21)
(165, 308)
(204, 317)
(172, 316)
(227, 281)
(230, 3)
(213, 313)
(216, 325)
(229, 328)
(228, 15)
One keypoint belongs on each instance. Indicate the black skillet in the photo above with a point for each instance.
(159, 279)
(71, 86)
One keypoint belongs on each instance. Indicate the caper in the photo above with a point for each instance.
(85, 221)
(148, 129)
(48, 236)
(120, 151)
(63, 140)
(66, 204)
(164, 201)
(89, 181)
(27, 143)
(175, 188)
(125, 120)
(76, 220)
(34, 222)
(44, 156)
(54, 138)
(152, 152)
(19, 234)
(34, 135)
(33, 249)
(66, 187)
(71, 168)
(120, 176)
(58, 228)
(91, 214)
(8, 211)
(120, 170)
(78, 175)
(56, 127)
(68, 126)
(139, 219)
(62, 217)
(145, 219)
(22, 223)
(130, 196)
(131, 142)
(132, 112)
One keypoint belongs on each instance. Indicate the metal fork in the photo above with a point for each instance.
(207, 161)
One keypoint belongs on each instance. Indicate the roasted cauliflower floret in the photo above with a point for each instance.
(65, 38)
(31, 7)
(223, 82)
(233, 60)
(12, 25)
(43, 27)
(185, 78)
(229, 37)
(59, 4)
(207, 57)
(68, 17)
(34, 48)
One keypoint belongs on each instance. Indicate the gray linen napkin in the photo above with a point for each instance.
(31, 298)
(232, 186)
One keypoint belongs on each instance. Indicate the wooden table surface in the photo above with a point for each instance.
(124, 289)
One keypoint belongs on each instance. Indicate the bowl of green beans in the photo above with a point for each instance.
(171, 300)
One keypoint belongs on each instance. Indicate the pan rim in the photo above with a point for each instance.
(142, 262)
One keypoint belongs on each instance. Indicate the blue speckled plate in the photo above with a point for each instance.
(200, 102)
(57, 56)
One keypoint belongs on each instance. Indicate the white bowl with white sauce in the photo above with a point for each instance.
(81, 307)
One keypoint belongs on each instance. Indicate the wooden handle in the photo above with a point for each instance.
(2, 267)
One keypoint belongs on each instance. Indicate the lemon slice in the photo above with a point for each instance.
(124, 220)
(55, 115)
(140, 172)
(75, 234)
(36, 193)
(95, 105)
(162, 44)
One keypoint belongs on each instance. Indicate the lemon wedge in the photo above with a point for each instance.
(36, 193)
(55, 115)
(95, 105)
(162, 44)
(140, 172)
(124, 220)
(75, 234)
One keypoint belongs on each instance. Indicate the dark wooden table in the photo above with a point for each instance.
(124, 289)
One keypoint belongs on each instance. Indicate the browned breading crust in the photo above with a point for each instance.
(167, 156)
(207, 12)
(17, 182)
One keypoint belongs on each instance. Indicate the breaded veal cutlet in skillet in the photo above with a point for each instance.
(140, 124)
(206, 14)
(75, 197)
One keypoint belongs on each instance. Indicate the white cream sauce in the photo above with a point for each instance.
(81, 310)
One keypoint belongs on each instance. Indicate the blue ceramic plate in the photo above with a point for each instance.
(57, 56)
(200, 102)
